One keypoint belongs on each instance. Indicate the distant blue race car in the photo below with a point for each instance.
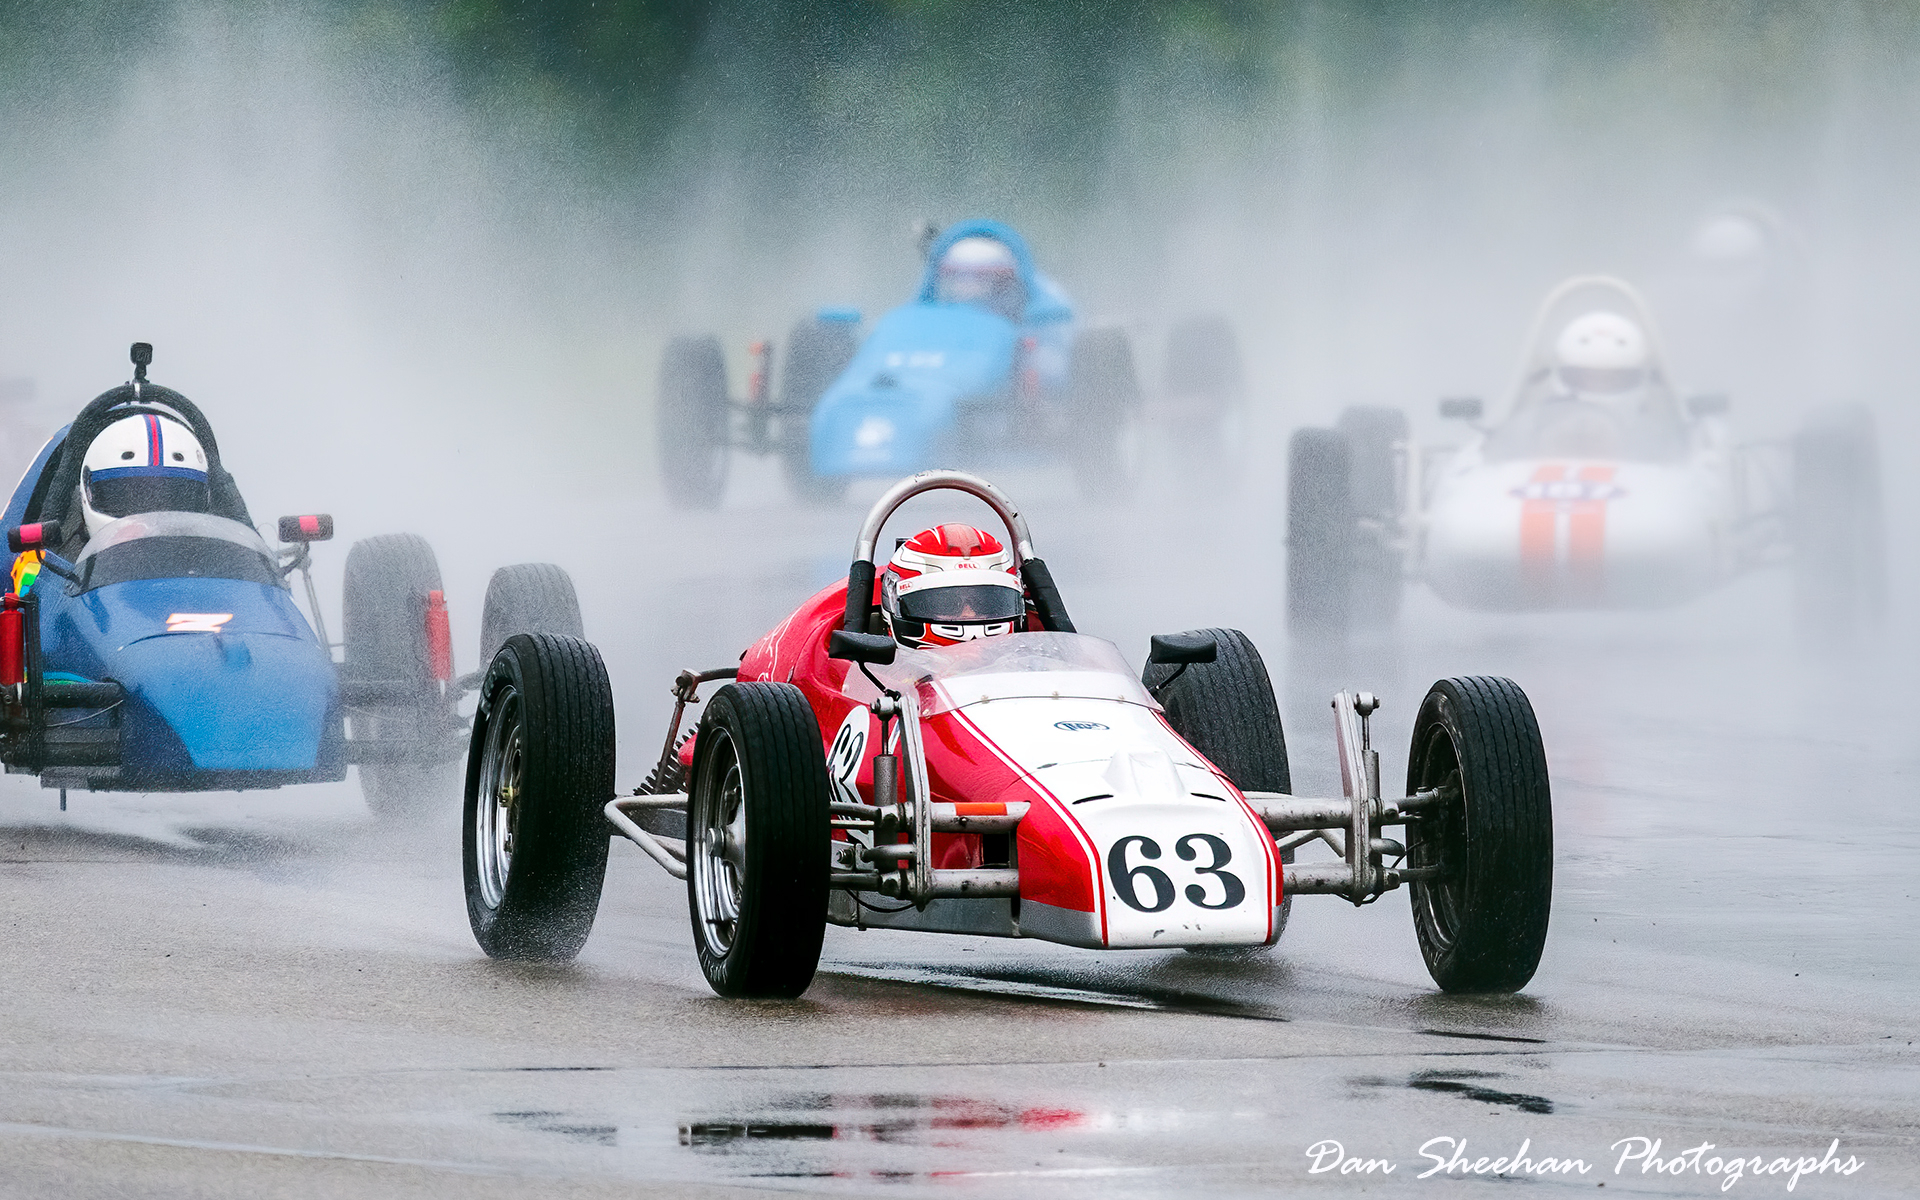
(986, 366)
(163, 651)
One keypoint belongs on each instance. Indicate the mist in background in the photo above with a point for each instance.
(417, 261)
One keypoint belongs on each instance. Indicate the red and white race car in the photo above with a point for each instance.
(1599, 487)
(1023, 785)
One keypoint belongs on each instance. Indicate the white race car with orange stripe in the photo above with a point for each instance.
(1025, 785)
(1564, 504)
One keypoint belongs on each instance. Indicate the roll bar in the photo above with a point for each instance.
(1033, 572)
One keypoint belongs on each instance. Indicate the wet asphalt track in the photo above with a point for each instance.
(270, 995)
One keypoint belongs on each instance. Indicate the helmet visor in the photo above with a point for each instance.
(123, 491)
(968, 604)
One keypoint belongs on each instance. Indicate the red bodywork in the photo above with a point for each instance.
(963, 767)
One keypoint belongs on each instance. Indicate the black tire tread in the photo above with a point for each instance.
(692, 419)
(783, 907)
(528, 598)
(561, 839)
(1507, 877)
(384, 632)
(1103, 394)
(1320, 529)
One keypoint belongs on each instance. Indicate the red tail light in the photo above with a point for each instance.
(439, 637)
(13, 642)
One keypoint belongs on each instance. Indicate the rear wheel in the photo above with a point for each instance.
(1374, 436)
(384, 626)
(817, 351)
(539, 769)
(1103, 400)
(1320, 527)
(693, 422)
(528, 598)
(1482, 923)
(1226, 710)
(1204, 387)
(1838, 528)
(758, 841)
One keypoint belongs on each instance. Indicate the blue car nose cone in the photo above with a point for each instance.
(237, 701)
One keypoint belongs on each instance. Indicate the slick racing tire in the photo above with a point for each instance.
(693, 417)
(1226, 710)
(758, 841)
(539, 770)
(1483, 922)
(1203, 383)
(1103, 402)
(1839, 539)
(384, 628)
(1320, 532)
(817, 351)
(1373, 435)
(528, 598)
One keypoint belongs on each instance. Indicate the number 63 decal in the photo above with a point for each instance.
(1127, 880)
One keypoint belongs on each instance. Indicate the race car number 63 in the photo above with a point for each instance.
(1126, 881)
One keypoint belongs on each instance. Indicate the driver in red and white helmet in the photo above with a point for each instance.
(951, 584)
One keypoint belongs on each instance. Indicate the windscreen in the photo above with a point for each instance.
(176, 545)
(1011, 666)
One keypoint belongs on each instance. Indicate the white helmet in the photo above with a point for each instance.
(1601, 352)
(979, 270)
(140, 464)
(1730, 241)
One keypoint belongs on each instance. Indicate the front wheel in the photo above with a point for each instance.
(1482, 922)
(758, 841)
(384, 618)
(1320, 533)
(539, 770)
(1839, 542)
(528, 598)
(1103, 405)
(693, 421)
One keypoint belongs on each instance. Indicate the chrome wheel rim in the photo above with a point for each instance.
(719, 851)
(496, 809)
(1438, 839)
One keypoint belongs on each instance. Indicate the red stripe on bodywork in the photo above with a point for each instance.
(1587, 534)
(1047, 876)
(1539, 525)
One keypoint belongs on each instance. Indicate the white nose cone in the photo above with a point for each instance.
(1148, 774)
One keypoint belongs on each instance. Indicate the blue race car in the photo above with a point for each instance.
(984, 367)
(150, 641)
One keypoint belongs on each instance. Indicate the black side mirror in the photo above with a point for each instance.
(1708, 404)
(1182, 648)
(315, 527)
(875, 648)
(1462, 408)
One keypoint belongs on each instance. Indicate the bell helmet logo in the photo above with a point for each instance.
(1078, 726)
